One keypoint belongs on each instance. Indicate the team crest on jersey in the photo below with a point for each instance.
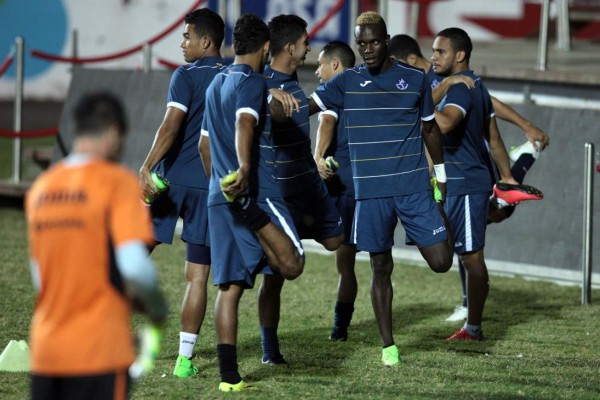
(402, 85)
(435, 83)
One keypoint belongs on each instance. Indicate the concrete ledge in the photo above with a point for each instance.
(12, 189)
(495, 267)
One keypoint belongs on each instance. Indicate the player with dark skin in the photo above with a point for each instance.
(372, 40)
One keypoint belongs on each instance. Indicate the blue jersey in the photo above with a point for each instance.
(238, 89)
(465, 152)
(296, 168)
(341, 183)
(382, 116)
(433, 78)
(181, 164)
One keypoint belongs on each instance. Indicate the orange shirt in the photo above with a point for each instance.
(77, 214)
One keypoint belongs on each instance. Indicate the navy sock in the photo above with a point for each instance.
(343, 314)
(521, 166)
(269, 342)
(228, 367)
(247, 209)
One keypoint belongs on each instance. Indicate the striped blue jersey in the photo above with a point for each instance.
(238, 89)
(295, 166)
(465, 151)
(382, 117)
(181, 164)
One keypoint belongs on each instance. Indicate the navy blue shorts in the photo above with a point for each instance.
(346, 205)
(188, 203)
(237, 255)
(375, 221)
(468, 214)
(314, 213)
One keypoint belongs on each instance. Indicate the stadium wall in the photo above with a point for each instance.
(543, 239)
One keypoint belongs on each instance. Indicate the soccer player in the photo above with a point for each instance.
(174, 155)
(388, 113)
(466, 119)
(255, 230)
(313, 211)
(88, 232)
(332, 140)
(406, 49)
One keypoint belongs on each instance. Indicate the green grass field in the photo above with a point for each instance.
(540, 342)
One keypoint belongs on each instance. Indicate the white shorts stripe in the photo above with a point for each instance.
(286, 227)
(468, 232)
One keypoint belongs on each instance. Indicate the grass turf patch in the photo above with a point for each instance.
(540, 342)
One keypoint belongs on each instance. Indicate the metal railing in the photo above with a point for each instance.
(588, 226)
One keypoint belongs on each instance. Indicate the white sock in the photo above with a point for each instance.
(474, 330)
(187, 341)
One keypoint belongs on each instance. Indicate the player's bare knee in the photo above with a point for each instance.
(293, 267)
(333, 243)
(442, 263)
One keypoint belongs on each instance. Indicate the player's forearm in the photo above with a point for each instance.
(244, 133)
(141, 279)
(325, 134)
(204, 149)
(440, 91)
(163, 140)
(498, 151)
(432, 138)
(507, 113)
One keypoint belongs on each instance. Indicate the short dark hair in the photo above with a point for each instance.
(207, 23)
(250, 33)
(341, 50)
(285, 29)
(401, 46)
(459, 40)
(96, 112)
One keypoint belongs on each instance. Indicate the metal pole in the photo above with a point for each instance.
(383, 9)
(75, 44)
(147, 57)
(563, 41)
(352, 15)
(588, 212)
(543, 40)
(414, 18)
(18, 110)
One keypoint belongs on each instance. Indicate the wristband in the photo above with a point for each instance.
(440, 172)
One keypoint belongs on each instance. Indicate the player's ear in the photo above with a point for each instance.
(335, 63)
(291, 47)
(460, 56)
(205, 42)
(411, 60)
